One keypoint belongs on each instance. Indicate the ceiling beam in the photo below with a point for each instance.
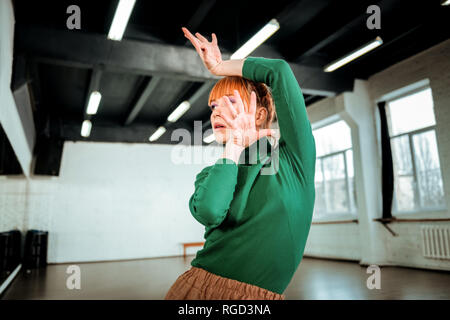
(87, 50)
(111, 132)
(150, 86)
(81, 50)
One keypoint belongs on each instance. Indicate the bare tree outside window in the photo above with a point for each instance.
(418, 181)
(429, 180)
(335, 191)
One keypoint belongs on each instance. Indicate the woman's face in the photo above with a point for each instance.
(219, 109)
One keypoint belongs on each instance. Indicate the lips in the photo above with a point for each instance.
(219, 126)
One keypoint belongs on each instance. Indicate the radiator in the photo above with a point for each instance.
(436, 242)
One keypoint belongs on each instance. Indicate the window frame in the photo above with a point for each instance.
(327, 216)
(410, 135)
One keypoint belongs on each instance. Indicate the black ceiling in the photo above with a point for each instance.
(61, 64)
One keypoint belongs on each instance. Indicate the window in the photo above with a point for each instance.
(417, 173)
(334, 180)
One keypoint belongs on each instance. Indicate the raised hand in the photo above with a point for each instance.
(241, 126)
(208, 51)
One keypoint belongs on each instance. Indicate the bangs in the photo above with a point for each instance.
(226, 86)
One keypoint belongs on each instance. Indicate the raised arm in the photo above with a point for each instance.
(214, 189)
(293, 121)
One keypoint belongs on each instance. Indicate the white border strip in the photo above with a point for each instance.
(11, 277)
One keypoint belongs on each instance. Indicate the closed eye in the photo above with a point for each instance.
(232, 99)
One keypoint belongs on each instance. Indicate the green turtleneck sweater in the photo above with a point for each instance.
(257, 212)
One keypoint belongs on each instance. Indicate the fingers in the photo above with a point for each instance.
(189, 35)
(264, 133)
(239, 101)
(198, 37)
(252, 109)
(230, 106)
(202, 38)
(228, 120)
(214, 39)
(195, 42)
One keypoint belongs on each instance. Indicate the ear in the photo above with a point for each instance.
(260, 116)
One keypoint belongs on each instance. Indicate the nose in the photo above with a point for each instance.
(216, 114)
(216, 110)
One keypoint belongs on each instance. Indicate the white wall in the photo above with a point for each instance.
(334, 241)
(13, 198)
(368, 241)
(111, 201)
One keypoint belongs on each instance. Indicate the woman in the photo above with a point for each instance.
(256, 224)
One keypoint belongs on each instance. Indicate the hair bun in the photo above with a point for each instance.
(265, 100)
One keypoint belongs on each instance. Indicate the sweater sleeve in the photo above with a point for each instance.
(295, 128)
(214, 189)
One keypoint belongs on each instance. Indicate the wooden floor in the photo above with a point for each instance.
(151, 278)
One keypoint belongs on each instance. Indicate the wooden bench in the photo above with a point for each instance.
(190, 244)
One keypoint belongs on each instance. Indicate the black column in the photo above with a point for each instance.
(387, 168)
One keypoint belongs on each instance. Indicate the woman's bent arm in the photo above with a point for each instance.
(214, 189)
(293, 121)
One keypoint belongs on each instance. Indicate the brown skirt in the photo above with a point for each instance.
(199, 284)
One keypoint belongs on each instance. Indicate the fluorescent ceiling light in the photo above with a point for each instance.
(158, 133)
(120, 19)
(86, 128)
(259, 38)
(445, 2)
(179, 111)
(209, 138)
(94, 101)
(353, 55)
